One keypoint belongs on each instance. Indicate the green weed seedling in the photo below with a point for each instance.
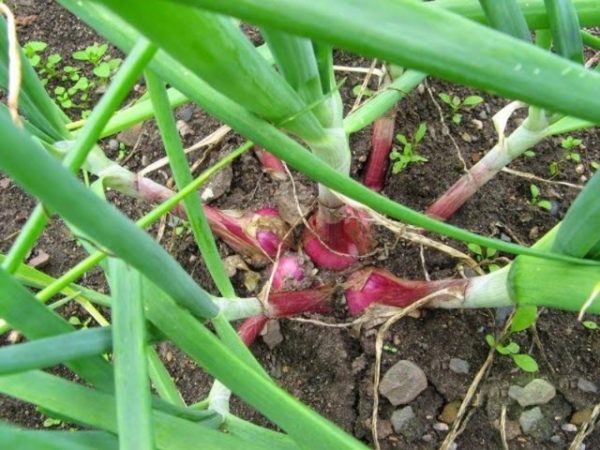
(537, 200)
(92, 54)
(33, 51)
(484, 256)
(590, 325)
(407, 155)
(359, 90)
(524, 317)
(456, 104)
(569, 144)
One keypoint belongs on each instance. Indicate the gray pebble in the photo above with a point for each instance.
(403, 382)
(586, 386)
(458, 365)
(569, 428)
(537, 392)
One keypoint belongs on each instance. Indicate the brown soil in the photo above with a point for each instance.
(331, 369)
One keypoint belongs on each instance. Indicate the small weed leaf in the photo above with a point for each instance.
(590, 324)
(510, 349)
(420, 133)
(524, 317)
(525, 362)
(535, 191)
(473, 100)
(474, 248)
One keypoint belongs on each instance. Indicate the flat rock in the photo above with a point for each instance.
(403, 382)
(130, 136)
(405, 422)
(536, 392)
(217, 185)
(534, 424)
(458, 365)
(587, 386)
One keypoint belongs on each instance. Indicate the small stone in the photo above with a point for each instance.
(458, 365)
(186, 113)
(586, 386)
(427, 438)
(579, 168)
(537, 392)
(217, 185)
(183, 128)
(405, 422)
(512, 429)
(130, 136)
(441, 426)
(272, 334)
(384, 429)
(530, 418)
(401, 417)
(580, 417)
(40, 259)
(450, 412)
(466, 137)
(569, 428)
(403, 382)
(478, 123)
(556, 439)
(535, 424)
(113, 145)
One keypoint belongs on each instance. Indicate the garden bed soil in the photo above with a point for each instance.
(331, 369)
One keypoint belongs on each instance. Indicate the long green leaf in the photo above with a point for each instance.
(553, 284)
(270, 138)
(35, 278)
(565, 29)
(412, 34)
(83, 209)
(506, 16)
(195, 213)
(22, 311)
(534, 11)
(132, 389)
(20, 439)
(50, 351)
(96, 409)
(580, 229)
(217, 49)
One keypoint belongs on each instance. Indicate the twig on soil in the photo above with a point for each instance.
(375, 71)
(483, 371)
(503, 428)
(538, 344)
(586, 428)
(423, 262)
(530, 176)
(364, 86)
(378, 351)
(445, 127)
(14, 65)
(212, 139)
